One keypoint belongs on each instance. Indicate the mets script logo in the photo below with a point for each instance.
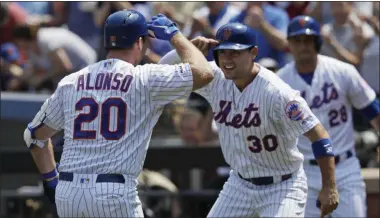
(227, 33)
(294, 110)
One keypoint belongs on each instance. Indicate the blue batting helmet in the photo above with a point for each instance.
(305, 25)
(234, 36)
(123, 28)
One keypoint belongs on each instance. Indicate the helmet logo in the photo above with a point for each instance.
(227, 33)
(113, 40)
(303, 21)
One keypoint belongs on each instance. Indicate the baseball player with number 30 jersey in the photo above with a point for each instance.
(107, 111)
(330, 87)
(259, 120)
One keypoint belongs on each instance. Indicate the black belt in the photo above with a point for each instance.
(116, 178)
(265, 180)
(337, 158)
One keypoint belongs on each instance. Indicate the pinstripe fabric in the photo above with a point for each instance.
(243, 199)
(351, 188)
(258, 129)
(258, 139)
(266, 99)
(107, 111)
(91, 199)
(336, 88)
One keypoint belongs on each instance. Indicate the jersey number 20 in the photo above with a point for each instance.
(105, 117)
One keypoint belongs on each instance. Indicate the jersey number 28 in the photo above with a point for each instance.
(105, 117)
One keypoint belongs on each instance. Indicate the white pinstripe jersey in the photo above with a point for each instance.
(335, 88)
(108, 111)
(259, 127)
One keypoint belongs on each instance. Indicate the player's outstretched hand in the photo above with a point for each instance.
(204, 44)
(328, 200)
(162, 27)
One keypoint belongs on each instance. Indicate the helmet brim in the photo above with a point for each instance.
(231, 46)
(307, 31)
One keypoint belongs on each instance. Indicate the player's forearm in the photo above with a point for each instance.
(276, 38)
(327, 166)
(202, 71)
(324, 156)
(187, 51)
(343, 54)
(44, 157)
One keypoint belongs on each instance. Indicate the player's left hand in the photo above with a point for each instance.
(162, 27)
(49, 189)
(328, 200)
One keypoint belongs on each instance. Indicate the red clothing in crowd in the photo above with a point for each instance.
(16, 16)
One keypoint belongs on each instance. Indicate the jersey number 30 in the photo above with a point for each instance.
(105, 117)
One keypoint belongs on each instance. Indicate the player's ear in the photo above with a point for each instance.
(140, 43)
(254, 51)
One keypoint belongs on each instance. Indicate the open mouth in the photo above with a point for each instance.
(229, 66)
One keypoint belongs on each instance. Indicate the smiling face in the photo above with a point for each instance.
(236, 64)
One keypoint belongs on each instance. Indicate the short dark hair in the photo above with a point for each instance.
(144, 38)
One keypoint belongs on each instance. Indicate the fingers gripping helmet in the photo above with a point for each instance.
(306, 25)
(123, 28)
(235, 36)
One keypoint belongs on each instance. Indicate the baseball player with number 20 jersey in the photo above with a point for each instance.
(259, 120)
(107, 111)
(330, 87)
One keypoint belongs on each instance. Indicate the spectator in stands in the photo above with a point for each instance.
(369, 68)
(53, 52)
(292, 8)
(206, 20)
(11, 15)
(270, 23)
(322, 11)
(36, 8)
(11, 66)
(347, 36)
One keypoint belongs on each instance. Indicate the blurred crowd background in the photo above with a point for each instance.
(41, 42)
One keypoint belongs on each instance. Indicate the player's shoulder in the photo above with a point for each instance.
(331, 62)
(274, 84)
(71, 78)
(334, 66)
(286, 70)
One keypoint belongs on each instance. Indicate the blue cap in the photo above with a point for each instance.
(123, 28)
(236, 36)
(10, 52)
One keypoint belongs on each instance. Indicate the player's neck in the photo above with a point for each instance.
(306, 67)
(121, 56)
(242, 83)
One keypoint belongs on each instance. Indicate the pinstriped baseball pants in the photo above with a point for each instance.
(351, 189)
(83, 197)
(240, 198)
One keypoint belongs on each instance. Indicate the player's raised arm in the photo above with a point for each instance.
(165, 29)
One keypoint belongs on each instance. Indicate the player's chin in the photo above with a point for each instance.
(229, 74)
